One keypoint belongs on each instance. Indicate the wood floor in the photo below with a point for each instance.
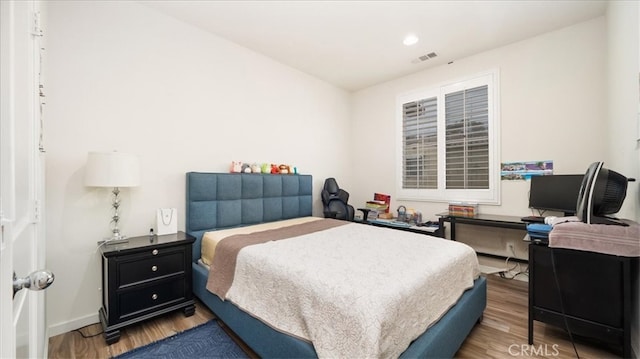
(502, 333)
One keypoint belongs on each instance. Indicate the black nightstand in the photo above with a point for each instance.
(143, 278)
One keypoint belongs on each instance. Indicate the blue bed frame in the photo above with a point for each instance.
(226, 200)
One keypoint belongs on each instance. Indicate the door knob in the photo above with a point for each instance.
(37, 280)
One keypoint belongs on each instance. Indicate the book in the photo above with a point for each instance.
(384, 198)
(463, 209)
(377, 205)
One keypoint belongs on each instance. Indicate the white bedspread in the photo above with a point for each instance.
(354, 291)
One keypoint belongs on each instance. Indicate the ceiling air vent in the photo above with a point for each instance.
(424, 57)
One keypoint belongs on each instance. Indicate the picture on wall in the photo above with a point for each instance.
(521, 171)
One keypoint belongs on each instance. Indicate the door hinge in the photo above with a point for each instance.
(37, 30)
(36, 211)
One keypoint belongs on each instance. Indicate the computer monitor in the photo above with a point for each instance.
(555, 193)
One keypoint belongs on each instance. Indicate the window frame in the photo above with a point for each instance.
(441, 194)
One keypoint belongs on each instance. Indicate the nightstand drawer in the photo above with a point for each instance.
(136, 269)
(150, 298)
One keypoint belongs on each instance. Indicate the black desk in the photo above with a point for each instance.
(431, 231)
(489, 220)
(592, 293)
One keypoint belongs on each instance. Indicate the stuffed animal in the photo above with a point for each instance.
(284, 169)
(274, 169)
(246, 168)
(236, 167)
(265, 168)
(255, 168)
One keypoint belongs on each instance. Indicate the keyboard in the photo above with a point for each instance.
(533, 219)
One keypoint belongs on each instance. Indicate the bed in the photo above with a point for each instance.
(220, 201)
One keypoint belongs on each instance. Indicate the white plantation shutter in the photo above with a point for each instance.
(448, 138)
(420, 144)
(467, 139)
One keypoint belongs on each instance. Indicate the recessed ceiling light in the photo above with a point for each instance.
(410, 39)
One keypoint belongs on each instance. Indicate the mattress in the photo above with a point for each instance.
(352, 290)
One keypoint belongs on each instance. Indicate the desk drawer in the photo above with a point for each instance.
(136, 269)
(581, 326)
(149, 298)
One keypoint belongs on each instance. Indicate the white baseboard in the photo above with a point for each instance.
(74, 324)
(484, 269)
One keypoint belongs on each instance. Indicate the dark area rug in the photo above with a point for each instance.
(208, 340)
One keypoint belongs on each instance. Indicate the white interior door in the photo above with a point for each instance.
(22, 317)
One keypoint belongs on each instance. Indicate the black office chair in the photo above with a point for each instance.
(334, 200)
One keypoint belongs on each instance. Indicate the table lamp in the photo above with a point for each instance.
(113, 170)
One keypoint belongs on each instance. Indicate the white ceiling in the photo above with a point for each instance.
(356, 44)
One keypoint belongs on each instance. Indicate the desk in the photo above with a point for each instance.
(393, 224)
(489, 220)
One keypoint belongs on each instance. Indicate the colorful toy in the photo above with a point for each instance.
(242, 167)
(236, 167)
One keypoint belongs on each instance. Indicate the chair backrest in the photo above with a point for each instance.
(335, 201)
(331, 191)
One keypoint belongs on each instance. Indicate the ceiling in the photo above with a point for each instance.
(356, 44)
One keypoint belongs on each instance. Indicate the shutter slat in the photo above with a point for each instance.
(467, 138)
(420, 137)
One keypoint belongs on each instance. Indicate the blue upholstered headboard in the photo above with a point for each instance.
(225, 200)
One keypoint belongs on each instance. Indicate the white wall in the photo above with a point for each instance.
(623, 72)
(121, 76)
(553, 105)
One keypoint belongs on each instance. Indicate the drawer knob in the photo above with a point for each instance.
(154, 252)
(154, 296)
(154, 268)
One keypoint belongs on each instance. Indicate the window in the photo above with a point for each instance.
(420, 143)
(449, 142)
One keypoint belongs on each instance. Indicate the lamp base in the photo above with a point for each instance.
(114, 240)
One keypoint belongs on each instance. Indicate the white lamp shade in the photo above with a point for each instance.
(112, 169)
